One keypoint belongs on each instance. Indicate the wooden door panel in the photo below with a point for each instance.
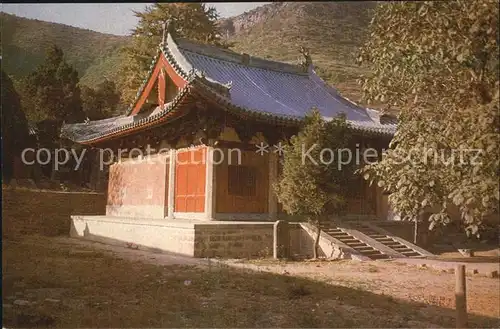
(190, 179)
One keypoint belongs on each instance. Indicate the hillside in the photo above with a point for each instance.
(24, 42)
(333, 31)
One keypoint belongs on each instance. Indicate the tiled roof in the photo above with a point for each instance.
(91, 131)
(265, 89)
(277, 89)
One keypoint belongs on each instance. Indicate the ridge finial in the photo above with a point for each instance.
(307, 61)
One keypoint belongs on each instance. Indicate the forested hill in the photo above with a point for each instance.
(24, 42)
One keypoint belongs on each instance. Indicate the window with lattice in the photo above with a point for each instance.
(242, 180)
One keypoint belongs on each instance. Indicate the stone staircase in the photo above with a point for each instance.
(355, 243)
(386, 240)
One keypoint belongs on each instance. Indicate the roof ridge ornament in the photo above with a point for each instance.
(168, 28)
(192, 74)
(164, 36)
(245, 59)
(307, 61)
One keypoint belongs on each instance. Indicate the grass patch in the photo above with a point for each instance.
(104, 291)
(373, 269)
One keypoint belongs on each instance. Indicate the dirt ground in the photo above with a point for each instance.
(62, 282)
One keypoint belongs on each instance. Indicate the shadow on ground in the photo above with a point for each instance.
(61, 288)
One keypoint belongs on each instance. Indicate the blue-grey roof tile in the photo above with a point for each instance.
(284, 92)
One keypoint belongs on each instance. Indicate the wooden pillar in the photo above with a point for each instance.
(273, 178)
(209, 184)
(171, 183)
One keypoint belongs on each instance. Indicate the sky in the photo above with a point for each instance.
(113, 18)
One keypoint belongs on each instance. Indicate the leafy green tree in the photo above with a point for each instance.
(312, 183)
(53, 90)
(15, 133)
(437, 62)
(101, 102)
(194, 21)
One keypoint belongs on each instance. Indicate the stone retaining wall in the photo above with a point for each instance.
(247, 240)
(191, 238)
(159, 235)
(234, 240)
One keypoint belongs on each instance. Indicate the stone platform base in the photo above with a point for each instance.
(190, 237)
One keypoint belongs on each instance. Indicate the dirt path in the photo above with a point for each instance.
(398, 280)
(61, 282)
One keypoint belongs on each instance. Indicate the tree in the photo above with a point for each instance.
(15, 133)
(101, 102)
(53, 90)
(193, 21)
(437, 62)
(312, 182)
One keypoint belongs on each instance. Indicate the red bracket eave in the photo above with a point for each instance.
(176, 78)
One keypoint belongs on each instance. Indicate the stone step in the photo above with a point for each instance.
(369, 252)
(363, 248)
(393, 244)
(355, 244)
(349, 240)
(401, 248)
(381, 256)
(347, 237)
(339, 232)
(405, 252)
(352, 244)
(410, 253)
(386, 240)
(337, 236)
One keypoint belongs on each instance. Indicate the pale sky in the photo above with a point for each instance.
(114, 18)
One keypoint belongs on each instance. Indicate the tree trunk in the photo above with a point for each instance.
(53, 172)
(316, 240)
(415, 231)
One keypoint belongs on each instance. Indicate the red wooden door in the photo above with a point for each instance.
(190, 181)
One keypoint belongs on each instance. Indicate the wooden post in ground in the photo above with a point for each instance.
(460, 297)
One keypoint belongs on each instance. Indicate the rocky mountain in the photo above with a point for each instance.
(333, 32)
